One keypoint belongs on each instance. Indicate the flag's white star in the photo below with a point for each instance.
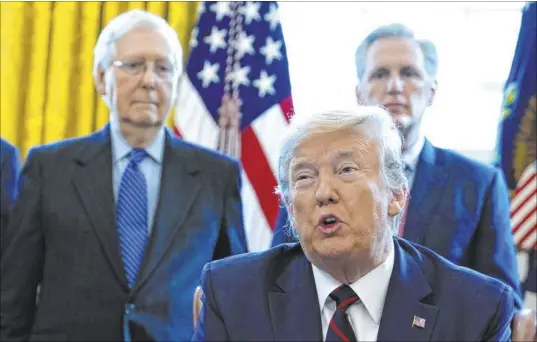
(217, 39)
(209, 74)
(265, 84)
(240, 76)
(194, 38)
(244, 44)
(222, 9)
(271, 50)
(250, 11)
(273, 17)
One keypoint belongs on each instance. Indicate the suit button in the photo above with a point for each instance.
(129, 308)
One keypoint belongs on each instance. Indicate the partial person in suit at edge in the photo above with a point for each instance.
(116, 226)
(341, 177)
(458, 207)
(10, 165)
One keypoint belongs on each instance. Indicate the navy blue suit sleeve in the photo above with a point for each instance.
(11, 165)
(233, 216)
(22, 261)
(281, 230)
(499, 328)
(210, 326)
(494, 236)
(9, 175)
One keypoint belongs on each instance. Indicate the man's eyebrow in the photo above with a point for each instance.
(380, 67)
(409, 67)
(337, 156)
(347, 154)
(344, 155)
(301, 165)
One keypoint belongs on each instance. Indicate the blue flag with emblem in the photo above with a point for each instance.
(516, 145)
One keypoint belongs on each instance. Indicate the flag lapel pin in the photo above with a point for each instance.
(418, 322)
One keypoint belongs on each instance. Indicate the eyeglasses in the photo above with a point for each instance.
(163, 69)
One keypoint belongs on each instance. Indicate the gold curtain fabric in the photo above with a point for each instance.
(46, 82)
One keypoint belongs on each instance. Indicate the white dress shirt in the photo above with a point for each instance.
(411, 158)
(364, 315)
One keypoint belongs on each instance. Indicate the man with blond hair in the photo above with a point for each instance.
(350, 278)
(458, 207)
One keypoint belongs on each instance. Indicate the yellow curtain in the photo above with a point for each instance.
(46, 83)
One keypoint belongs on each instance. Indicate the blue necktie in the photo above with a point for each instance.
(340, 329)
(131, 214)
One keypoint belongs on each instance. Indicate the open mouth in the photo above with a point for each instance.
(328, 223)
(395, 107)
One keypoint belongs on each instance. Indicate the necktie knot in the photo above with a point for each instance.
(344, 297)
(137, 156)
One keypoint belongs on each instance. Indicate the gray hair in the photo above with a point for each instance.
(396, 31)
(125, 22)
(374, 121)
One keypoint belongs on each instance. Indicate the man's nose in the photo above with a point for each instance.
(326, 192)
(149, 76)
(395, 85)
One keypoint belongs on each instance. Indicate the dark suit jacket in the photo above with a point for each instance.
(271, 296)
(66, 240)
(9, 173)
(459, 208)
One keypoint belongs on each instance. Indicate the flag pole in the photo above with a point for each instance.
(229, 122)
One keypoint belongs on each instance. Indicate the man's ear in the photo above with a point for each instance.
(397, 203)
(434, 85)
(358, 94)
(290, 210)
(178, 88)
(289, 207)
(99, 80)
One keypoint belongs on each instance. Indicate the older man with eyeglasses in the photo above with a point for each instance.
(116, 226)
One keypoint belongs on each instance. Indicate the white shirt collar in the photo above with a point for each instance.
(371, 288)
(412, 155)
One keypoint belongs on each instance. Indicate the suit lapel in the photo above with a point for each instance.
(407, 288)
(179, 187)
(426, 192)
(93, 181)
(294, 308)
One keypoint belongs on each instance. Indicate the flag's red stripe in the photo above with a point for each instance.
(287, 108)
(521, 242)
(530, 196)
(176, 131)
(526, 183)
(531, 213)
(259, 172)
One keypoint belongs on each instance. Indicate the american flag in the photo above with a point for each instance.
(250, 34)
(524, 209)
(418, 322)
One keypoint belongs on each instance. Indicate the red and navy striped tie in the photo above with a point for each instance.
(340, 328)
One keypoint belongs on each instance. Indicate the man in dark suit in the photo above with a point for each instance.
(116, 226)
(9, 173)
(458, 207)
(341, 176)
